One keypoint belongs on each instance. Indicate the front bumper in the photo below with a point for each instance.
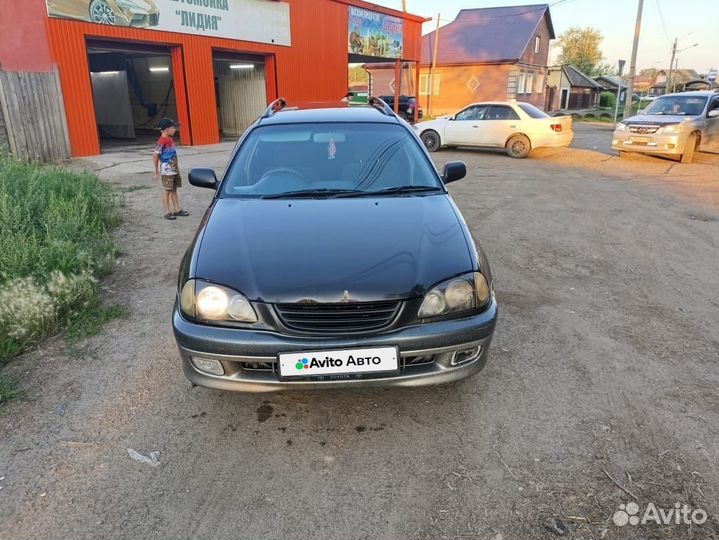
(649, 144)
(249, 357)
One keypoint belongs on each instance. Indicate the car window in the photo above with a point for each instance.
(532, 111)
(501, 112)
(280, 158)
(713, 105)
(677, 105)
(473, 112)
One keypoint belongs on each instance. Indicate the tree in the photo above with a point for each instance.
(580, 48)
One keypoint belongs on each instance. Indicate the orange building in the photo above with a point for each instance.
(212, 64)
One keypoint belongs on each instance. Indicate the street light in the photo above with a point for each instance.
(676, 65)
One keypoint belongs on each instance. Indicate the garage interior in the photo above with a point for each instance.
(132, 90)
(240, 91)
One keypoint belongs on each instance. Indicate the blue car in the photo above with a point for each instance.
(332, 256)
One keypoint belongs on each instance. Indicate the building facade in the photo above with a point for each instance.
(570, 89)
(212, 64)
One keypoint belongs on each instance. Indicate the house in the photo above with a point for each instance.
(679, 79)
(484, 54)
(613, 84)
(568, 88)
(642, 83)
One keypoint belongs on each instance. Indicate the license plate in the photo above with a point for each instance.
(338, 362)
(640, 140)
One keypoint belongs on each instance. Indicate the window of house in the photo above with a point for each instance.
(537, 43)
(522, 83)
(529, 86)
(424, 83)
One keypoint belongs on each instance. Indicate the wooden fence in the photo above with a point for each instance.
(34, 115)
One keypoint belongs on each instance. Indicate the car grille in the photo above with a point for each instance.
(338, 318)
(643, 130)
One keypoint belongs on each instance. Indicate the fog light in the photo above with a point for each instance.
(465, 355)
(615, 142)
(208, 365)
(670, 145)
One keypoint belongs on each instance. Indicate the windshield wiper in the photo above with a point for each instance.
(310, 193)
(393, 190)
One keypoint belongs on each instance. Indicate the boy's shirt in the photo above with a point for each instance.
(165, 148)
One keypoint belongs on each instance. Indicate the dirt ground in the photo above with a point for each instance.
(601, 387)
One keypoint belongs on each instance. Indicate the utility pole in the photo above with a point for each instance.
(671, 65)
(619, 90)
(430, 82)
(633, 64)
(404, 5)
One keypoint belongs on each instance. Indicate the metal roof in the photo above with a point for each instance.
(487, 35)
(577, 78)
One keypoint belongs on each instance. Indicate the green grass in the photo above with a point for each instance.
(90, 320)
(55, 244)
(8, 390)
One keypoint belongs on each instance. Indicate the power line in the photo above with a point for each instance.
(664, 25)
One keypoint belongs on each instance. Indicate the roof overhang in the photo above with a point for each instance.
(387, 11)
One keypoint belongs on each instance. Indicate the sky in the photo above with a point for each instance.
(692, 21)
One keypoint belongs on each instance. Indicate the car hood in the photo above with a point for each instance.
(656, 119)
(316, 249)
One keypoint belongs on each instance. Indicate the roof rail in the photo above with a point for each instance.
(274, 107)
(380, 105)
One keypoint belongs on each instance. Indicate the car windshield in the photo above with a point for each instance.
(677, 105)
(330, 159)
(532, 111)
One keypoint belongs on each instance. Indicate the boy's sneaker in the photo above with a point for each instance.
(170, 216)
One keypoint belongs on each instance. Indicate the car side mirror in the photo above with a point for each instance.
(204, 178)
(453, 171)
(713, 113)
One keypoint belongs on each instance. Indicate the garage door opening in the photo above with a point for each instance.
(132, 89)
(240, 90)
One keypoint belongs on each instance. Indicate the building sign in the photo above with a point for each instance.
(374, 34)
(263, 21)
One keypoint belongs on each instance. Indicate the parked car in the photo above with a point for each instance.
(406, 106)
(515, 126)
(136, 13)
(332, 255)
(673, 125)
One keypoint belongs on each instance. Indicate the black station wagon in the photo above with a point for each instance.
(332, 256)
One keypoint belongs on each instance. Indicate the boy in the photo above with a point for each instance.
(165, 157)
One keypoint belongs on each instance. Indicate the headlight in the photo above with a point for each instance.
(456, 295)
(672, 128)
(620, 127)
(208, 301)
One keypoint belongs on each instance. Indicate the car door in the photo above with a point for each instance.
(498, 124)
(463, 128)
(710, 137)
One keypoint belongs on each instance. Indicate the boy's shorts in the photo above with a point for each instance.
(171, 182)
